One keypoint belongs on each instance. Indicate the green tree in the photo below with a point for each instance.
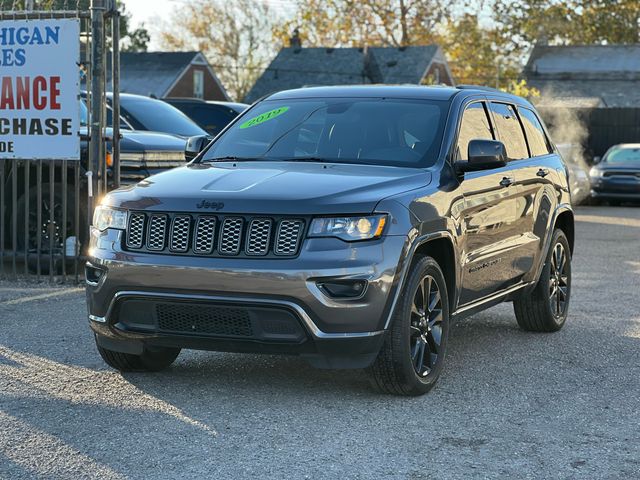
(475, 54)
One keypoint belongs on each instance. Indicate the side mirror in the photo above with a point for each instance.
(597, 160)
(195, 145)
(484, 155)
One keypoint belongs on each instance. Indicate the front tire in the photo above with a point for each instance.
(545, 309)
(152, 359)
(412, 355)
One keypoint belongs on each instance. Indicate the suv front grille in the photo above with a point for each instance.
(135, 232)
(231, 236)
(211, 235)
(156, 238)
(288, 237)
(258, 236)
(205, 235)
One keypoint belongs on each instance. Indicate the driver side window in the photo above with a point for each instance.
(475, 125)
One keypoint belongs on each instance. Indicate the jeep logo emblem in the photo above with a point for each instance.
(211, 205)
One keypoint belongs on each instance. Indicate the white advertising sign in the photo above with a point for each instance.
(39, 88)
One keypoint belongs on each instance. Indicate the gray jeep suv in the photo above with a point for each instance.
(347, 225)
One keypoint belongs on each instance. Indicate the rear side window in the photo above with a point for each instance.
(535, 133)
(510, 130)
(475, 126)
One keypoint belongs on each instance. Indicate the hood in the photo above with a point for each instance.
(138, 141)
(623, 166)
(286, 188)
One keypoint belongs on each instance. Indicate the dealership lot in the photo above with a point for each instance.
(509, 404)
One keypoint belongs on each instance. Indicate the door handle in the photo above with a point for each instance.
(506, 181)
(543, 172)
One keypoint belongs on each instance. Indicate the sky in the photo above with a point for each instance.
(150, 12)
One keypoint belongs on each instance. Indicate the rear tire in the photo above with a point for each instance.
(412, 355)
(152, 359)
(545, 308)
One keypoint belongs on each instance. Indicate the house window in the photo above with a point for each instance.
(198, 84)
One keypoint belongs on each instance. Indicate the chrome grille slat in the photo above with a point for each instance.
(258, 236)
(157, 232)
(180, 230)
(135, 230)
(204, 236)
(214, 235)
(288, 237)
(230, 236)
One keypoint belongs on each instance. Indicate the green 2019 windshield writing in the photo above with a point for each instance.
(264, 117)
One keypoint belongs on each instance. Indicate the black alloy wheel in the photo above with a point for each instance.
(426, 326)
(558, 281)
(413, 354)
(545, 308)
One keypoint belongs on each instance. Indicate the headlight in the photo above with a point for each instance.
(349, 228)
(595, 172)
(107, 217)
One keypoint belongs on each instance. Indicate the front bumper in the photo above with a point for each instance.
(612, 195)
(615, 188)
(272, 295)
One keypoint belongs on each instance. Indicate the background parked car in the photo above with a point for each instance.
(211, 116)
(138, 112)
(616, 177)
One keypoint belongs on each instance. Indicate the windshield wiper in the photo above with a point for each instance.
(309, 159)
(230, 159)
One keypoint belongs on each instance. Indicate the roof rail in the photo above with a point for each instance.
(478, 87)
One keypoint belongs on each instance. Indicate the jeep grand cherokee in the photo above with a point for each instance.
(347, 225)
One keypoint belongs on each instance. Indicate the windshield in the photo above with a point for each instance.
(376, 131)
(157, 116)
(623, 155)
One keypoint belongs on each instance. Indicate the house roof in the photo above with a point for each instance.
(155, 73)
(580, 62)
(299, 67)
(586, 75)
(405, 65)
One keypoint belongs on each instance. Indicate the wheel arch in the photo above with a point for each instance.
(565, 222)
(442, 250)
(440, 246)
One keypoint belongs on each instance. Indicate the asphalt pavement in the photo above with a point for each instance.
(510, 404)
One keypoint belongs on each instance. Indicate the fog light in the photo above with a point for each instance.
(93, 274)
(343, 288)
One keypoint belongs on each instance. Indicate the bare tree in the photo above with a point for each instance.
(394, 23)
(235, 37)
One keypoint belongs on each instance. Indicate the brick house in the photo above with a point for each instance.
(170, 74)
